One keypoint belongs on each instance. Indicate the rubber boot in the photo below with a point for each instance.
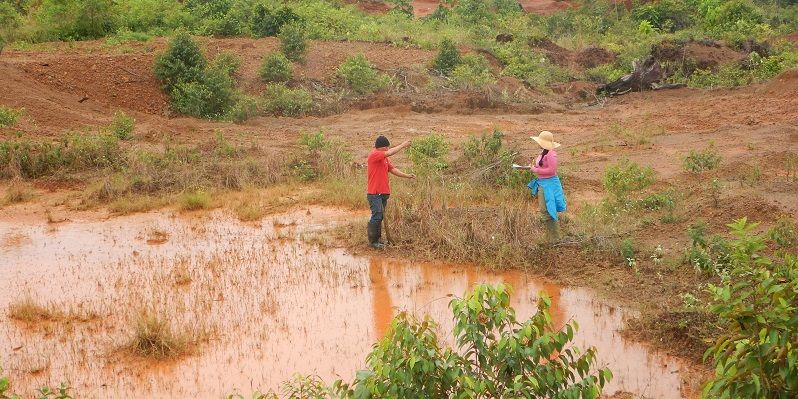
(374, 235)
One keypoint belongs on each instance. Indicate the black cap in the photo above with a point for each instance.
(382, 141)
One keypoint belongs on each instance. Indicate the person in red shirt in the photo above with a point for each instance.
(378, 190)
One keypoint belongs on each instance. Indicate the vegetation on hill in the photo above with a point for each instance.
(754, 27)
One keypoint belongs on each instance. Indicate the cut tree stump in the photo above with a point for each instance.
(645, 76)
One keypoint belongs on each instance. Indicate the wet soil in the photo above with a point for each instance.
(272, 303)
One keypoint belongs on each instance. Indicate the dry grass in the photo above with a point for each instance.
(16, 194)
(153, 337)
(28, 311)
(134, 204)
(196, 200)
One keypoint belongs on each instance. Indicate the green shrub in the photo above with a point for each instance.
(625, 176)
(276, 68)
(9, 116)
(9, 16)
(448, 58)
(754, 357)
(210, 97)
(628, 249)
(244, 108)
(472, 73)
(492, 163)
(182, 62)
(293, 42)
(192, 201)
(707, 256)
(359, 75)
(281, 100)
(494, 356)
(122, 126)
(228, 63)
(268, 22)
(153, 16)
(429, 154)
(784, 233)
(76, 19)
(320, 157)
(699, 161)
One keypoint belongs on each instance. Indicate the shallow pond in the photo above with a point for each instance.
(268, 302)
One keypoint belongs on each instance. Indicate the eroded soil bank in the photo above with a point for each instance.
(261, 302)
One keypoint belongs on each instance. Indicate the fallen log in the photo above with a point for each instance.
(645, 76)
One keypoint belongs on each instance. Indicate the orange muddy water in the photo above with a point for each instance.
(269, 304)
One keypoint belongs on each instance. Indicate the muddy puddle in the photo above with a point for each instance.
(261, 302)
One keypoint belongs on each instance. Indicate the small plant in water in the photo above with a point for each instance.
(153, 337)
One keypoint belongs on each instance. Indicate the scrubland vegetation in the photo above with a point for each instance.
(532, 48)
(468, 204)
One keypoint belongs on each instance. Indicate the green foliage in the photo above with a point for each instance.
(699, 161)
(784, 233)
(46, 392)
(226, 62)
(9, 16)
(77, 19)
(278, 99)
(244, 108)
(74, 152)
(182, 62)
(472, 73)
(320, 157)
(756, 69)
(754, 356)
(707, 256)
(625, 176)
(496, 356)
(665, 15)
(155, 16)
(448, 58)
(493, 163)
(209, 97)
(404, 7)
(196, 200)
(429, 154)
(276, 68)
(359, 75)
(293, 42)
(9, 116)
(628, 249)
(122, 126)
(268, 22)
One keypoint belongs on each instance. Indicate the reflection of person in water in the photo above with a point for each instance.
(382, 306)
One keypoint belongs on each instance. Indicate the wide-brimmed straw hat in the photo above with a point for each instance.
(546, 140)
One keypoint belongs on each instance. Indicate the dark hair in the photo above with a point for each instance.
(542, 154)
(382, 141)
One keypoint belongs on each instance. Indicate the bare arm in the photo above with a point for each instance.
(398, 148)
(399, 173)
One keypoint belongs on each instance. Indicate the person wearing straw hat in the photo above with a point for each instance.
(547, 186)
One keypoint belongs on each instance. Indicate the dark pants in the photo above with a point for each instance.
(377, 203)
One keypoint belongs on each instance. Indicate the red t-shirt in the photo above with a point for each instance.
(378, 167)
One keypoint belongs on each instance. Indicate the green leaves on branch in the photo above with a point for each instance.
(757, 304)
(496, 355)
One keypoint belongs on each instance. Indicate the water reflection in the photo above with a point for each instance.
(275, 306)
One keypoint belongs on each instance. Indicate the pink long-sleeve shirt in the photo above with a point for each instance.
(549, 168)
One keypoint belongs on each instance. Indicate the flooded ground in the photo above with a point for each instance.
(264, 302)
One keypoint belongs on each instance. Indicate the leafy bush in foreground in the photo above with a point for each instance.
(496, 356)
(755, 356)
(428, 154)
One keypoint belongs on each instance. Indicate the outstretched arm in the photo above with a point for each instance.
(399, 173)
(398, 148)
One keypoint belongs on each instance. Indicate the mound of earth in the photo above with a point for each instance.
(784, 85)
(594, 56)
(693, 55)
